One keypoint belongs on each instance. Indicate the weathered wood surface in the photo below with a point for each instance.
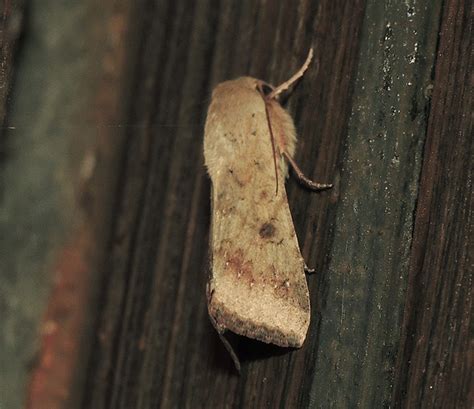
(11, 23)
(383, 113)
(61, 142)
(161, 350)
(435, 362)
(12, 372)
(365, 282)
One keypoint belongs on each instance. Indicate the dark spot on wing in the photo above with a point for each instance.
(267, 230)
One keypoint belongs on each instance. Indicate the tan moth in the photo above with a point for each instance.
(257, 286)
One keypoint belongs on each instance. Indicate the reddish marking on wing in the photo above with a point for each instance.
(282, 289)
(241, 268)
(263, 195)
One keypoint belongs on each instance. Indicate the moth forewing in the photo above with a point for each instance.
(257, 286)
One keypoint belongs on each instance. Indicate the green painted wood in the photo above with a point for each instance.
(434, 364)
(59, 151)
(35, 193)
(366, 281)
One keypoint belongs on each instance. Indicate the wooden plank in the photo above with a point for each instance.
(156, 346)
(390, 299)
(365, 285)
(15, 347)
(435, 364)
(62, 145)
(364, 288)
(11, 24)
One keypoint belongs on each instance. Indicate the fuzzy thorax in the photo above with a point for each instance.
(237, 132)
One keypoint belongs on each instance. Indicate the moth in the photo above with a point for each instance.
(257, 285)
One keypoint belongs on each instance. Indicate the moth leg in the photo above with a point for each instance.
(220, 332)
(231, 351)
(308, 270)
(303, 179)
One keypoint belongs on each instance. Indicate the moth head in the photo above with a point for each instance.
(247, 83)
(262, 87)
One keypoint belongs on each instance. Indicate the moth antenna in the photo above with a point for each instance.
(272, 137)
(303, 179)
(287, 84)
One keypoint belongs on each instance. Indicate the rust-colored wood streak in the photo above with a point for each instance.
(435, 361)
(91, 140)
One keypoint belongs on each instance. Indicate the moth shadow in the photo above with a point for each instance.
(246, 350)
(251, 350)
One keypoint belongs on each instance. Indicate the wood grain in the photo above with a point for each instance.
(155, 328)
(383, 113)
(365, 284)
(435, 362)
(11, 23)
